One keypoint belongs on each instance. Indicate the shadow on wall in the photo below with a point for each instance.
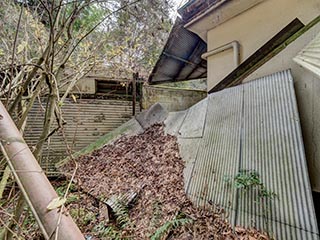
(316, 200)
(175, 96)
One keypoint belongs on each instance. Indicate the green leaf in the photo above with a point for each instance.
(21, 47)
(56, 202)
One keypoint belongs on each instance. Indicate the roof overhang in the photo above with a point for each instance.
(200, 20)
(181, 57)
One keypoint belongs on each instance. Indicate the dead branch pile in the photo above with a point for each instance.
(150, 165)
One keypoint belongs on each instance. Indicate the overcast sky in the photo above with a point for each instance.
(177, 4)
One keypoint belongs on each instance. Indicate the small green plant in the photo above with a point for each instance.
(114, 230)
(250, 179)
(121, 213)
(112, 233)
(82, 216)
(178, 221)
(72, 197)
(107, 232)
(63, 187)
(247, 180)
(156, 217)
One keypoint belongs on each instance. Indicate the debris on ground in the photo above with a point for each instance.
(132, 189)
(147, 167)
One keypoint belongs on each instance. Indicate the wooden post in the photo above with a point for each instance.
(134, 92)
(33, 183)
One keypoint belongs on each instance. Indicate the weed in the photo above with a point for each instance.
(122, 214)
(82, 216)
(107, 232)
(71, 196)
(178, 221)
(62, 188)
(122, 220)
(156, 215)
(250, 180)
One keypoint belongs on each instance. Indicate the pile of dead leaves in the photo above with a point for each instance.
(150, 165)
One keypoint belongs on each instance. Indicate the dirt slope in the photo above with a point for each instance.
(150, 165)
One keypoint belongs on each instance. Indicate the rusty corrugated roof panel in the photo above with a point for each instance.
(181, 57)
(253, 127)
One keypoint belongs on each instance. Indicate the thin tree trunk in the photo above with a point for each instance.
(3, 183)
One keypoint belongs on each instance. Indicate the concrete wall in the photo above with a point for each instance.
(174, 99)
(252, 29)
(307, 88)
(85, 85)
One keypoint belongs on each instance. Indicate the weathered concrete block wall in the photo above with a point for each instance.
(174, 99)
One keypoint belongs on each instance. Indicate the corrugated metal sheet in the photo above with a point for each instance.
(218, 154)
(272, 145)
(87, 120)
(309, 57)
(254, 127)
(181, 57)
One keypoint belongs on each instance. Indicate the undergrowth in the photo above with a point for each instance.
(170, 225)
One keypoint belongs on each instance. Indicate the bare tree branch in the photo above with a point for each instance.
(13, 53)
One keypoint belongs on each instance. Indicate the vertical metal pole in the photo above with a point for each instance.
(32, 181)
(134, 92)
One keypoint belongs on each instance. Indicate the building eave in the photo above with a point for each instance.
(217, 14)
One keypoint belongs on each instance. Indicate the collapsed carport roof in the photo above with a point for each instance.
(181, 57)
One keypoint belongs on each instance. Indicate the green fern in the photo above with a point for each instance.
(169, 225)
(112, 233)
(107, 232)
(122, 214)
(157, 214)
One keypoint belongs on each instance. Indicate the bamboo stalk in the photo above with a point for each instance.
(33, 183)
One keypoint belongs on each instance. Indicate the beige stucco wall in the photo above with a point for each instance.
(252, 29)
(307, 88)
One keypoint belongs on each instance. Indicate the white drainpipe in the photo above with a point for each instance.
(236, 51)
